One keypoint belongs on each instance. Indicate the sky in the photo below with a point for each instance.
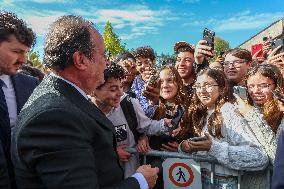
(159, 24)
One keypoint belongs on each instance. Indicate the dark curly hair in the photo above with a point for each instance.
(144, 52)
(240, 53)
(183, 46)
(124, 56)
(10, 24)
(67, 35)
(113, 71)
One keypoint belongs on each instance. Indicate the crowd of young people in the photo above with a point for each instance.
(235, 102)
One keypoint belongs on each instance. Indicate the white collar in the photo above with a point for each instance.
(7, 80)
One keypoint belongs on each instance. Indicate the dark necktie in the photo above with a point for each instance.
(4, 119)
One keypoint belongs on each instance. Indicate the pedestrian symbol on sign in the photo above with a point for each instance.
(181, 174)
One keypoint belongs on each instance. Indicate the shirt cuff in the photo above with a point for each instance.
(141, 180)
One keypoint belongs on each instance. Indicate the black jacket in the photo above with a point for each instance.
(23, 87)
(63, 141)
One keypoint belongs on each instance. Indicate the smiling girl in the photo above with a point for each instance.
(213, 114)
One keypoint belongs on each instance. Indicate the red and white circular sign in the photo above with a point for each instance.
(181, 175)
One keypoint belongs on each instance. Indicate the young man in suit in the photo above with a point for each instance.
(62, 140)
(16, 39)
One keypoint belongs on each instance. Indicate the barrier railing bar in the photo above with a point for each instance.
(165, 154)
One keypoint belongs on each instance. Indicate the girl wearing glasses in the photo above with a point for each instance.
(228, 139)
(263, 112)
(263, 115)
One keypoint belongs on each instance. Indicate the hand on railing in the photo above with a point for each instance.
(192, 146)
(143, 146)
(123, 155)
(170, 147)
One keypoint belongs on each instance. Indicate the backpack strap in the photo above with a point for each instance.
(129, 113)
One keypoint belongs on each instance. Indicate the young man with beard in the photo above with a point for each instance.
(16, 39)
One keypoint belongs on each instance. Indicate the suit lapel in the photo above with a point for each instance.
(81, 102)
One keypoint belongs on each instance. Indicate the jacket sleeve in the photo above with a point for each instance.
(59, 148)
(240, 150)
(4, 176)
(146, 124)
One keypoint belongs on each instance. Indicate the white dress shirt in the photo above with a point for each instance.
(10, 96)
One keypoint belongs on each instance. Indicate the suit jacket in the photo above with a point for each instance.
(62, 140)
(23, 86)
(278, 170)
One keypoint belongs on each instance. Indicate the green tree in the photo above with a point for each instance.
(112, 41)
(165, 59)
(220, 45)
(34, 58)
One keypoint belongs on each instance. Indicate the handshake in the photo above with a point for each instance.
(149, 173)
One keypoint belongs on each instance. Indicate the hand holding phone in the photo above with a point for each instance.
(276, 43)
(196, 139)
(194, 144)
(209, 35)
(257, 50)
(176, 119)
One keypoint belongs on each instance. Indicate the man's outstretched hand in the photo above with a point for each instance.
(150, 174)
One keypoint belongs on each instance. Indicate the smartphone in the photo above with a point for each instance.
(278, 96)
(209, 35)
(255, 48)
(177, 118)
(196, 139)
(277, 43)
(154, 77)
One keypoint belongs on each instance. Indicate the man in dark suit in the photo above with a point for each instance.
(278, 170)
(16, 39)
(61, 139)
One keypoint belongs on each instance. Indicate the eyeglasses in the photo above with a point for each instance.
(236, 63)
(262, 86)
(206, 86)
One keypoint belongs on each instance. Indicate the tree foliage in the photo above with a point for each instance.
(112, 41)
(165, 59)
(221, 45)
(33, 58)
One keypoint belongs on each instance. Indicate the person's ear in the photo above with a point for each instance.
(80, 61)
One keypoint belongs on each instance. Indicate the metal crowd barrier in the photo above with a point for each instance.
(197, 158)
